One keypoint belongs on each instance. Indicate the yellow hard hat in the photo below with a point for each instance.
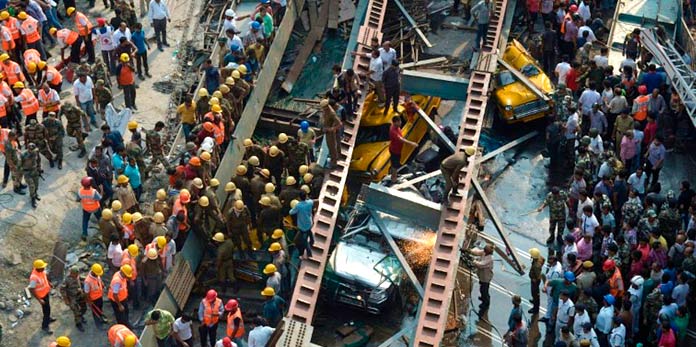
(107, 214)
(470, 150)
(303, 169)
(202, 92)
(69, 10)
(242, 69)
(18, 85)
(161, 241)
(274, 247)
(217, 94)
(22, 15)
(127, 270)
(269, 269)
(116, 206)
(161, 194)
(248, 143)
(31, 67)
(219, 237)
(265, 173)
(130, 341)
(52, 31)
(124, 57)
(203, 201)
(132, 125)
(241, 170)
(63, 341)
(41, 65)
(4, 56)
(278, 233)
(158, 217)
(97, 269)
(269, 188)
(235, 74)
(151, 254)
(205, 156)
(216, 108)
(254, 161)
(283, 138)
(268, 291)
(40, 264)
(265, 201)
(534, 253)
(273, 151)
(214, 101)
(239, 205)
(294, 203)
(305, 188)
(122, 179)
(127, 218)
(307, 177)
(133, 250)
(224, 89)
(214, 182)
(137, 217)
(4, 15)
(290, 181)
(230, 187)
(229, 81)
(197, 182)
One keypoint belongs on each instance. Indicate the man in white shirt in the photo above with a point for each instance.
(590, 37)
(105, 36)
(375, 74)
(122, 31)
(565, 313)
(115, 253)
(588, 98)
(581, 318)
(230, 21)
(637, 181)
(83, 89)
(554, 270)
(181, 331)
(629, 61)
(159, 16)
(588, 334)
(584, 11)
(605, 319)
(588, 221)
(387, 54)
(260, 334)
(617, 337)
(602, 59)
(562, 69)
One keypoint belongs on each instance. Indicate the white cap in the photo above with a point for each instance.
(208, 144)
(230, 13)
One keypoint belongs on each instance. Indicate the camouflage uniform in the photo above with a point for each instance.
(233, 104)
(12, 157)
(210, 193)
(653, 303)
(56, 132)
(689, 264)
(297, 155)
(202, 106)
(103, 96)
(31, 165)
(101, 72)
(557, 212)
(645, 226)
(153, 139)
(36, 133)
(668, 223)
(632, 210)
(254, 150)
(238, 95)
(590, 305)
(207, 219)
(74, 116)
(74, 297)
(560, 106)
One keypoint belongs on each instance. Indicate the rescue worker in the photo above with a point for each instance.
(211, 193)
(40, 288)
(31, 58)
(275, 163)
(151, 271)
(202, 105)
(253, 166)
(49, 100)
(68, 38)
(205, 217)
(84, 29)
(209, 312)
(118, 293)
(154, 142)
(10, 147)
(252, 149)
(55, 133)
(12, 71)
(331, 124)
(31, 165)
(233, 194)
(241, 182)
(120, 336)
(6, 109)
(535, 278)
(614, 278)
(125, 73)
(124, 193)
(89, 198)
(556, 201)
(224, 262)
(289, 193)
(74, 297)
(26, 98)
(105, 34)
(135, 150)
(94, 293)
(102, 92)
(206, 167)
(37, 134)
(6, 36)
(269, 219)
(74, 117)
(451, 168)
(158, 228)
(29, 27)
(181, 205)
(640, 105)
(273, 306)
(161, 204)
(12, 25)
(235, 322)
(297, 153)
(238, 224)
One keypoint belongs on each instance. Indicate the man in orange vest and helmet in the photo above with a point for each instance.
(118, 293)
(94, 293)
(89, 197)
(26, 98)
(209, 312)
(12, 71)
(640, 105)
(29, 28)
(40, 288)
(68, 38)
(235, 322)
(84, 29)
(120, 336)
(50, 75)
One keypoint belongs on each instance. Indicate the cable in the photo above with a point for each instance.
(5, 200)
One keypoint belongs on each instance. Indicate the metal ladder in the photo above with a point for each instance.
(680, 74)
(298, 331)
(433, 313)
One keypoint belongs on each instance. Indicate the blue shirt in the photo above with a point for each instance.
(116, 139)
(303, 210)
(652, 81)
(212, 79)
(273, 309)
(138, 38)
(118, 163)
(133, 175)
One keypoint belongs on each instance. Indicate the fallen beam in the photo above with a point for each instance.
(414, 24)
(508, 145)
(418, 179)
(401, 204)
(432, 84)
(307, 47)
(522, 78)
(425, 62)
(434, 127)
(333, 14)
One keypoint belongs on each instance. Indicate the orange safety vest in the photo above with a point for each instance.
(96, 287)
(29, 103)
(211, 314)
(30, 26)
(57, 77)
(641, 104)
(614, 284)
(565, 18)
(178, 206)
(31, 56)
(123, 291)
(44, 98)
(7, 45)
(129, 232)
(230, 324)
(89, 204)
(3, 111)
(67, 36)
(13, 72)
(43, 287)
(126, 75)
(11, 24)
(82, 29)
(118, 333)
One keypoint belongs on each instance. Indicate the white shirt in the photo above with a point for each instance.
(565, 311)
(588, 98)
(83, 91)
(637, 183)
(605, 319)
(118, 34)
(259, 336)
(376, 68)
(596, 145)
(618, 336)
(158, 10)
(589, 225)
(562, 69)
(581, 204)
(578, 322)
(273, 281)
(584, 11)
(115, 253)
(230, 24)
(387, 56)
(628, 62)
(590, 37)
(553, 272)
(183, 329)
(601, 60)
(106, 38)
(169, 256)
(591, 336)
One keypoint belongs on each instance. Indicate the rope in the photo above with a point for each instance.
(6, 201)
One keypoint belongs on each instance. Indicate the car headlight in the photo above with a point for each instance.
(379, 295)
(508, 108)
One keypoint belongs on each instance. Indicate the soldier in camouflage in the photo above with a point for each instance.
(36, 133)
(102, 95)
(297, 155)
(632, 208)
(649, 222)
(133, 150)
(56, 132)
(74, 297)
(31, 166)
(668, 219)
(556, 200)
(101, 72)
(653, 303)
(561, 103)
(74, 115)
(154, 142)
(13, 161)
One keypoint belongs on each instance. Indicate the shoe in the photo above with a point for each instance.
(60, 165)
(166, 45)
(80, 327)
(141, 77)
(83, 238)
(533, 311)
(51, 163)
(19, 191)
(39, 199)
(549, 240)
(33, 203)
(135, 107)
(22, 186)
(160, 49)
(148, 75)
(47, 331)
(83, 152)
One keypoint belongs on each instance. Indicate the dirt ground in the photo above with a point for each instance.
(26, 233)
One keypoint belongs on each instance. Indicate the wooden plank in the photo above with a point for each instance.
(425, 62)
(346, 11)
(333, 14)
(180, 282)
(313, 13)
(306, 49)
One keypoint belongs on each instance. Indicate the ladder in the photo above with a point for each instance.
(680, 74)
(433, 313)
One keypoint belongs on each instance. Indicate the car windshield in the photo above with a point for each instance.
(505, 78)
(529, 70)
